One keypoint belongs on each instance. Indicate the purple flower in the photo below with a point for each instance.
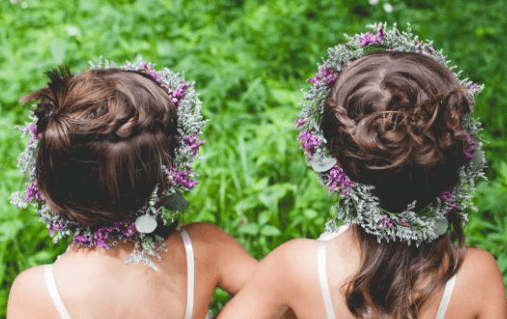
(325, 73)
(474, 87)
(128, 232)
(309, 142)
(300, 122)
(314, 80)
(177, 93)
(387, 222)
(468, 154)
(471, 147)
(368, 38)
(337, 179)
(33, 133)
(32, 193)
(453, 207)
(331, 78)
(194, 143)
(154, 75)
(81, 240)
(99, 239)
(183, 178)
(184, 86)
(143, 65)
(380, 35)
(54, 227)
(446, 196)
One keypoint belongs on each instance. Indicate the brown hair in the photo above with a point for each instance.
(393, 120)
(105, 135)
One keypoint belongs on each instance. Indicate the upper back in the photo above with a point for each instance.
(478, 291)
(117, 290)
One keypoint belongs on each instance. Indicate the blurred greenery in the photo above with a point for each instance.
(249, 59)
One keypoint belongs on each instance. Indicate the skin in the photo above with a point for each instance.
(288, 278)
(96, 283)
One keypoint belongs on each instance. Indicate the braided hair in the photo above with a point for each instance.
(105, 135)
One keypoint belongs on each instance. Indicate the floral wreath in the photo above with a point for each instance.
(356, 203)
(164, 204)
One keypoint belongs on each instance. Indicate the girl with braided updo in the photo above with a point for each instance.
(395, 126)
(109, 144)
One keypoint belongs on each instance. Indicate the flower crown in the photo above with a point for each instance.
(356, 203)
(164, 204)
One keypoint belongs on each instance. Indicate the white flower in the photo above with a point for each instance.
(388, 7)
(373, 2)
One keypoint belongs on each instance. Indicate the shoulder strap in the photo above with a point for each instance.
(190, 274)
(53, 292)
(322, 265)
(442, 309)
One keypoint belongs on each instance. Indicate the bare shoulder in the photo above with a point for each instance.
(298, 253)
(294, 262)
(208, 237)
(482, 266)
(205, 232)
(28, 294)
(482, 280)
(221, 255)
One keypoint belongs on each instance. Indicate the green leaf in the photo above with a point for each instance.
(9, 229)
(250, 229)
(264, 217)
(269, 230)
(310, 213)
(42, 257)
(502, 263)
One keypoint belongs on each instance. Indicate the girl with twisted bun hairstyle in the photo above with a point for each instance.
(109, 155)
(388, 128)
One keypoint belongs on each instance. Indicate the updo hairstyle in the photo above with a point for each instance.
(105, 135)
(393, 120)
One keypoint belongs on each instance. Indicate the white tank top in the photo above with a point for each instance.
(322, 270)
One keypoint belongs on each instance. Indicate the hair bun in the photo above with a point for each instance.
(389, 127)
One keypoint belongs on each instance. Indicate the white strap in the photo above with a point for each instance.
(53, 292)
(190, 274)
(323, 279)
(445, 298)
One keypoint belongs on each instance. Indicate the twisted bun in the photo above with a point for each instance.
(393, 120)
(105, 135)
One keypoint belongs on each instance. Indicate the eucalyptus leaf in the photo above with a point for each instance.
(175, 202)
(321, 163)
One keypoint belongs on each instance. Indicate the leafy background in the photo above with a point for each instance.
(249, 60)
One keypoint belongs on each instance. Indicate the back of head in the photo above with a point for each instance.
(106, 134)
(393, 120)
(386, 127)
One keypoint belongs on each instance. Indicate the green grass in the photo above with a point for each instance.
(249, 60)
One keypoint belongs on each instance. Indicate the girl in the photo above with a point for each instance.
(387, 127)
(109, 155)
